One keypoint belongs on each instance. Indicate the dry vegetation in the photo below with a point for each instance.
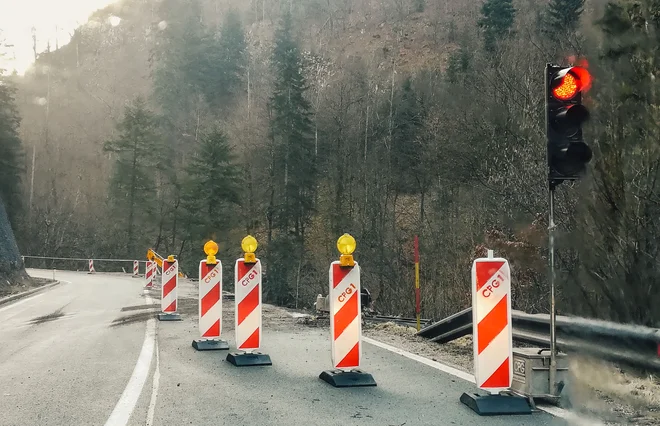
(418, 130)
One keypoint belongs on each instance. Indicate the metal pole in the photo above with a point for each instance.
(553, 335)
(417, 290)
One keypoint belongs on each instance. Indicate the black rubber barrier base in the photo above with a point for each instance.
(347, 379)
(210, 345)
(251, 359)
(495, 405)
(169, 317)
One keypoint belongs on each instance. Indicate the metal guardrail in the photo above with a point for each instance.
(322, 306)
(409, 322)
(450, 328)
(634, 345)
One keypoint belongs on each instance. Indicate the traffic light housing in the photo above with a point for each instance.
(568, 154)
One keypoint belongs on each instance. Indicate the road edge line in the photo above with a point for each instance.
(154, 390)
(29, 297)
(9, 300)
(552, 410)
(129, 398)
(429, 362)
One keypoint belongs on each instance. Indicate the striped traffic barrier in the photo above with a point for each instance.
(136, 268)
(346, 320)
(91, 267)
(210, 301)
(149, 273)
(168, 291)
(492, 339)
(247, 296)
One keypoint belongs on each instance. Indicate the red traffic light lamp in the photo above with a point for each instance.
(570, 81)
(568, 154)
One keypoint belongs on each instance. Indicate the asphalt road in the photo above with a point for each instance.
(72, 356)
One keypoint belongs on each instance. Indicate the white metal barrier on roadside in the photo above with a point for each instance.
(90, 264)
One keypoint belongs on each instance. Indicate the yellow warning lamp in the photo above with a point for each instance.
(249, 246)
(211, 248)
(346, 246)
(170, 258)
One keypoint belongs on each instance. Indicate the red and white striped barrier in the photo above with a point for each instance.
(210, 307)
(149, 273)
(247, 296)
(168, 299)
(492, 341)
(136, 268)
(91, 267)
(491, 312)
(345, 316)
(346, 320)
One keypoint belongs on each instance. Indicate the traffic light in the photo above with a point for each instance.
(568, 154)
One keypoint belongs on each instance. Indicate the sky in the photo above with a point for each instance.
(51, 18)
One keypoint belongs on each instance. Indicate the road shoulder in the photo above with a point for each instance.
(42, 284)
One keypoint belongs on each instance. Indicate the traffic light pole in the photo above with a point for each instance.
(553, 335)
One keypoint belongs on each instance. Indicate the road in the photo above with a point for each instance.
(89, 352)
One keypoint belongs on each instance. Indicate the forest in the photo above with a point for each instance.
(299, 120)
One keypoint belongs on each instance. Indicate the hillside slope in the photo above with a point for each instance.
(11, 264)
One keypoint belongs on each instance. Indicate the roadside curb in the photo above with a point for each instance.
(17, 296)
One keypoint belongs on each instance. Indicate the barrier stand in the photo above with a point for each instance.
(210, 302)
(247, 296)
(346, 320)
(492, 340)
(136, 269)
(168, 298)
(149, 274)
(91, 267)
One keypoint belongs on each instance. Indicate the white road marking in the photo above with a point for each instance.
(126, 404)
(434, 364)
(27, 299)
(550, 409)
(154, 390)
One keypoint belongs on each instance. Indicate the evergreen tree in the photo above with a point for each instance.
(11, 152)
(227, 62)
(293, 167)
(408, 121)
(293, 133)
(458, 65)
(138, 153)
(212, 188)
(496, 21)
(181, 65)
(563, 15)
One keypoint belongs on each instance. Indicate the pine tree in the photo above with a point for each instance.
(11, 151)
(293, 167)
(212, 189)
(292, 132)
(408, 121)
(229, 61)
(497, 19)
(563, 15)
(137, 151)
(181, 64)
(458, 65)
